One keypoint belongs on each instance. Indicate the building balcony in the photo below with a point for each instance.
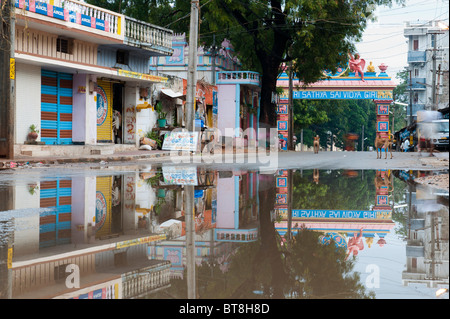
(238, 77)
(415, 108)
(82, 21)
(417, 56)
(148, 37)
(417, 84)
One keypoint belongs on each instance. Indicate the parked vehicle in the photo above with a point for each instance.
(440, 135)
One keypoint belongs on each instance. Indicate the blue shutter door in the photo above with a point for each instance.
(56, 107)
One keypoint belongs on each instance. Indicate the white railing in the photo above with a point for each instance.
(230, 77)
(146, 35)
(113, 19)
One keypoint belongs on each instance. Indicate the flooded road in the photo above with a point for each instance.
(124, 232)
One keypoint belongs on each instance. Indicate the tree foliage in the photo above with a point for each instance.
(336, 116)
(316, 35)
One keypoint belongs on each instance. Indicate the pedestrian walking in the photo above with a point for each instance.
(406, 145)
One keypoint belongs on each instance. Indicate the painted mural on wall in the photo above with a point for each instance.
(102, 106)
(130, 124)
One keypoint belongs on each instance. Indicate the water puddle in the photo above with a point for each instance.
(250, 234)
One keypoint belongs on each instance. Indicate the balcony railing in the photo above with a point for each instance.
(417, 56)
(238, 77)
(112, 19)
(148, 36)
(417, 83)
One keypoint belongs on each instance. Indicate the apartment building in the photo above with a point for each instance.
(428, 63)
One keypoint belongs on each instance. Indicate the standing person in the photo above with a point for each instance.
(406, 145)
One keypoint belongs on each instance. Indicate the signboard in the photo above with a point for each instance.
(142, 76)
(352, 214)
(179, 175)
(281, 199)
(140, 241)
(383, 109)
(180, 141)
(341, 95)
(282, 109)
(281, 181)
(282, 125)
(49, 10)
(382, 126)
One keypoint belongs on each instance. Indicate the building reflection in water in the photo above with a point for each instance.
(126, 233)
(427, 248)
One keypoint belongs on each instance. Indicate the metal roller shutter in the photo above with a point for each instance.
(55, 221)
(56, 107)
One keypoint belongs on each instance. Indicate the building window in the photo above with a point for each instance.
(64, 45)
(433, 40)
(122, 57)
(416, 73)
(415, 45)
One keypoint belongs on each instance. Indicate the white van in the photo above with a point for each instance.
(440, 137)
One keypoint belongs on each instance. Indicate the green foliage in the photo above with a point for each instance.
(333, 191)
(265, 34)
(154, 136)
(33, 128)
(337, 116)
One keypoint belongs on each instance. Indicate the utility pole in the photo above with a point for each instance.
(192, 67)
(213, 60)
(291, 110)
(433, 79)
(410, 98)
(189, 112)
(7, 79)
(301, 140)
(362, 139)
(437, 86)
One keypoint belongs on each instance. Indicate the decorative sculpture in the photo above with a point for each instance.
(371, 67)
(357, 65)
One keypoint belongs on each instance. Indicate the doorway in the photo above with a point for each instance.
(117, 123)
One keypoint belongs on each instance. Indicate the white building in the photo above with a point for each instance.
(428, 54)
(82, 77)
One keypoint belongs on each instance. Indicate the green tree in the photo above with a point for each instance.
(401, 95)
(316, 35)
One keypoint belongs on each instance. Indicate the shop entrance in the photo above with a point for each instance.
(117, 116)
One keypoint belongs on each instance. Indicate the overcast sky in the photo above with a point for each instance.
(383, 40)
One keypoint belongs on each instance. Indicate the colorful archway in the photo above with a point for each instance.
(377, 87)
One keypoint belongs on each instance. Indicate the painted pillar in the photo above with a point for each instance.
(237, 124)
(382, 127)
(283, 123)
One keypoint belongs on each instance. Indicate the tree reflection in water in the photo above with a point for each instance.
(275, 268)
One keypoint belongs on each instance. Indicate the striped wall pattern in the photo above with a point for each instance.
(55, 221)
(56, 107)
(43, 44)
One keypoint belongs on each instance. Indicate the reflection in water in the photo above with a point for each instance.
(293, 234)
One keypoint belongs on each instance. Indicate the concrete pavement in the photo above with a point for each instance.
(298, 160)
